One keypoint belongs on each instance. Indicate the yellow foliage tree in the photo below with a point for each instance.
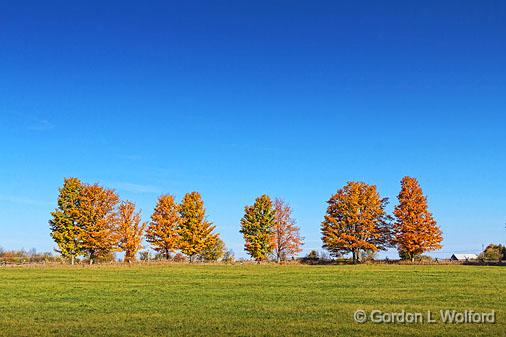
(195, 232)
(130, 230)
(162, 232)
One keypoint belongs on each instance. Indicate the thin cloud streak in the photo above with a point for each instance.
(132, 157)
(136, 188)
(41, 125)
(23, 200)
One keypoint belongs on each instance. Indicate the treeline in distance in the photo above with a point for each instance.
(91, 221)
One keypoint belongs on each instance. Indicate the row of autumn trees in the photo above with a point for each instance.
(356, 222)
(92, 221)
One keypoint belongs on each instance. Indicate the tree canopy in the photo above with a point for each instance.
(257, 227)
(415, 228)
(64, 226)
(195, 232)
(287, 239)
(356, 221)
(162, 232)
(130, 230)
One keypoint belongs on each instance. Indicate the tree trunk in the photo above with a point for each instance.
(72, 259)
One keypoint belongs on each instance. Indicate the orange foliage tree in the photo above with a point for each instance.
(286, 238)
(84, 222)
(356, 221)
(416, 231)
(195, 232)
(130, 230)
(97, 220)
(162, 232)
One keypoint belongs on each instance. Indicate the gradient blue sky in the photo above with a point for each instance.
(239, 98)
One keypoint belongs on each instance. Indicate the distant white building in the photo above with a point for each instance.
(464, 257)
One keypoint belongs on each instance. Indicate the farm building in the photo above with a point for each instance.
(463, 257)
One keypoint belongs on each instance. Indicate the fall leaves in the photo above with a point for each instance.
(415, 228)
(287, 240)
(130, 230)
(84, 223)
(356, 221)
(183, 227)
(268, 229)
(257, 228)
(162, 232)
(93, 222)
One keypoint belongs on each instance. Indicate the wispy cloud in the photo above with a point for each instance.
(40, 125)
(135, 188)
(23, 200)
(129, 156)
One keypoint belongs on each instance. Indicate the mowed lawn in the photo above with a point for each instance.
(243, 300)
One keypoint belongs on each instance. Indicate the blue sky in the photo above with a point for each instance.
(239, 98)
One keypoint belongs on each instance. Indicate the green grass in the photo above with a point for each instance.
(243, 300)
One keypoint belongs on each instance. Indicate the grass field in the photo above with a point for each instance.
(244, 300)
